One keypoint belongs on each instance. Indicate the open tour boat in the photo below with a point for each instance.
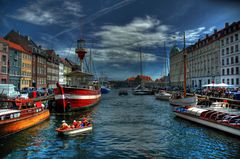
(218, 116)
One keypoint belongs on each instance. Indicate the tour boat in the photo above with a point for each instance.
(218, 116)
(162, 95)
(74, 131)
(82, 93)
(19, 114)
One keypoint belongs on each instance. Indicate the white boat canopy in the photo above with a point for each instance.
(219, 85)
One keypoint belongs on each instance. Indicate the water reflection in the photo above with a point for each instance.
(124, 127)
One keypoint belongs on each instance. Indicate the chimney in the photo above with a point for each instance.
(206, 35)
(28, 38)
(18, 32)
(226, 25)
(215, 31)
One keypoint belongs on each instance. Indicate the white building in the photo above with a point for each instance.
(61, 76)
(204, 61)
(176, 67)
(230, 54)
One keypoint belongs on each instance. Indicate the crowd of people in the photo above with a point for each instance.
(219, 92)
(75, 124)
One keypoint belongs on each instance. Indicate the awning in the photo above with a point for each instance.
(78, 74)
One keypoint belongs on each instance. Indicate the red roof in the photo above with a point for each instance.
(146, 78)
(13, 45)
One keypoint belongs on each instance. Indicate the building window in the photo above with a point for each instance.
(223, 80)
(4, 60)
(236, 37)
(223, 72)
(231, 39)
(4, 81)
(237, 81)
(4, 69)
(231, 49)
(222, 52)
(227, 50)
(232, 81)
(232, 70)
(222, 42)
(227, 81)
(236, 59)
(237, 70)
(227, 41)
(228, 71)
(227, 61)
(232, 60)
(236, 48)
(222, 62)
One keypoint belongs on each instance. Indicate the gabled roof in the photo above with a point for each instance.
(13, 45)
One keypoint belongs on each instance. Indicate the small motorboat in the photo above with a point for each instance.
(74, 131)
(123, 92)
(162, 95)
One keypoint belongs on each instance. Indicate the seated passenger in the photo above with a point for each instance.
(64, 125)
(74, 123)
(79, 124)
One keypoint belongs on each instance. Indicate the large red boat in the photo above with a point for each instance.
(19, 114)
(82, 93)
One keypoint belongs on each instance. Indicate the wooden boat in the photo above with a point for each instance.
(183, 100)
(17, 115)
(162, 95)
(178, 100)
(217, 116)
(82, 93)
(74, 131)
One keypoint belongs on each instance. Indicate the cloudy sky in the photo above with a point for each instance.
(116, 30)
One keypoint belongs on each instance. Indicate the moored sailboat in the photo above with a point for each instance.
(177, 99)
(83, 93)
(141, 89)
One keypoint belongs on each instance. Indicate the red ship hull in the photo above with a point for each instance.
(72, 99)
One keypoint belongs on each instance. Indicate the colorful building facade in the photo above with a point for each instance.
(4, 54)
(26, 70)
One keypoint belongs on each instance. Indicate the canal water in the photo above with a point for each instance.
(124, 127)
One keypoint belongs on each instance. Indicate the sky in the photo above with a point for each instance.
(116, 31)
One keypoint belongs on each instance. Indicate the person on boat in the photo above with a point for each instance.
(79, 124)
(74, 125)
(64, 125)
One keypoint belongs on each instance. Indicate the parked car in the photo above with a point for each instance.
(9, 90)
(24, 94)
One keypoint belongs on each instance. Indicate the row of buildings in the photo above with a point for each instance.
(214, 59)
(26, 64)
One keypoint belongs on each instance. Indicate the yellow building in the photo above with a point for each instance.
(26, 70)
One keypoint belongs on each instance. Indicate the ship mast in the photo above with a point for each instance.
(185, 67)
(80, 51)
